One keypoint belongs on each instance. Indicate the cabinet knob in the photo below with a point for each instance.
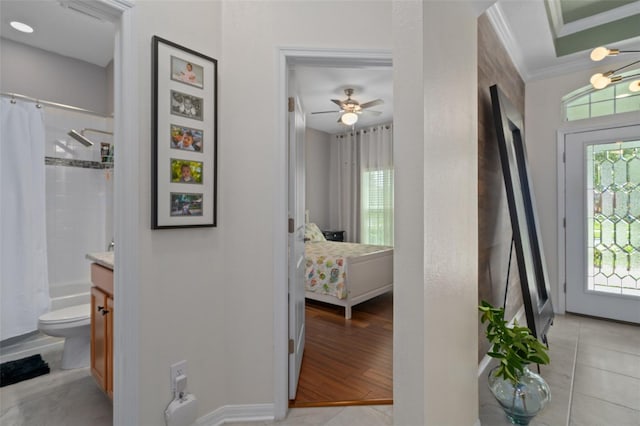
(100, 308)
(105, 312)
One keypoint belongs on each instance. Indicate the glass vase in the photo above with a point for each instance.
(523, 401)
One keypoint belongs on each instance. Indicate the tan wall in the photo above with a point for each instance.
(494, 227)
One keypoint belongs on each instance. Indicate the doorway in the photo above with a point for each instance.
(602, 234)
(292, 61)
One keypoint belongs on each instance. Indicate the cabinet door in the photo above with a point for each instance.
(109, 337)
(99, 337)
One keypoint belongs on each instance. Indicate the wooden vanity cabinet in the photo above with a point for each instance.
(102, 327)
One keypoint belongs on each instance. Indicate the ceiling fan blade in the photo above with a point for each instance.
(371, 103)
(368, 111)
(323, 112)
(337, 102)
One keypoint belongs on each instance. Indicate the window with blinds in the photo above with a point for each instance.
(377, 207)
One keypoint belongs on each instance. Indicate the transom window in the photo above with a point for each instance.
(588, 102)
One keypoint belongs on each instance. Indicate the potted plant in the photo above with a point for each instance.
(521, 392)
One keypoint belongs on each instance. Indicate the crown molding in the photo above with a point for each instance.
(505, 34)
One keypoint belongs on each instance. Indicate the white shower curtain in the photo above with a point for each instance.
(24, 287)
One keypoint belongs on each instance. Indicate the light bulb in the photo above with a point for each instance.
(349, 118)
(599, 53)
(634, 86)
(600, 81)
(20, 26)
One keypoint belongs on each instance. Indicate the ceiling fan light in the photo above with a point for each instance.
(634, 86)
(349, 118)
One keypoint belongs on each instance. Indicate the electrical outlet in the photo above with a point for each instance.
(177, 369)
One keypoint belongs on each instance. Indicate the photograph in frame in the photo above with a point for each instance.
(186, 204)
(187, 72)
(184, 146)
(186, 138)
(186, 171)
(186, 105)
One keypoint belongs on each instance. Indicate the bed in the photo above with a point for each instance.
(346, 274)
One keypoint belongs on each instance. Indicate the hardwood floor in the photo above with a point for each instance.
(347, 362)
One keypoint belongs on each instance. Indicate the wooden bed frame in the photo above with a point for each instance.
(367, 276)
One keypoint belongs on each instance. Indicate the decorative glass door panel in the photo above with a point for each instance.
(613, 223)
(602, 214)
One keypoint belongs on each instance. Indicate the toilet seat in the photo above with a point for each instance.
(72, 314)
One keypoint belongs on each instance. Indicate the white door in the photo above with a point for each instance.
(602, 236)
(296, 243)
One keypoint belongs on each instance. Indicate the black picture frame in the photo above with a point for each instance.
(534, 282)
(184, 113)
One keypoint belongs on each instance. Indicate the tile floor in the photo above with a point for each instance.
(594, 376)
(605, 390)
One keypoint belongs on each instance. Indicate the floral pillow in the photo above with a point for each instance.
(313, 233)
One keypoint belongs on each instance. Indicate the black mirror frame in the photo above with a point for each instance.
(536, 293)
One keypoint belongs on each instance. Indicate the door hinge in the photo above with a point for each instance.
(565, 287)
(291, 105)
(291, 346)
(292, 226)
(564, 222)
(564, 157)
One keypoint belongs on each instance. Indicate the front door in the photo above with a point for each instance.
(296, 243)
(602, 205)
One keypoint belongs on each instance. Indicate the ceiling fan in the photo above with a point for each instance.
(350, 108)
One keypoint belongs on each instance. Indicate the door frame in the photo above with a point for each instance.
(580, 126)
(286, 58)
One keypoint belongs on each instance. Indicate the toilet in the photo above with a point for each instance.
(74, 324)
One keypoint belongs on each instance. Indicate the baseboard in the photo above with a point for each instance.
(237, 413)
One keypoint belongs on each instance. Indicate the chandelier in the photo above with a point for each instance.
(602, 80)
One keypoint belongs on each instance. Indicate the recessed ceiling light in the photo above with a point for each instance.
(21, 27)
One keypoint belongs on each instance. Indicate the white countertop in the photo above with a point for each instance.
(104, 258)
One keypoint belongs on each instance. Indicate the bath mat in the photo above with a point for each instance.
(22, 369)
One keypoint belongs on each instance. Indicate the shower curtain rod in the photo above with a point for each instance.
(40, 102)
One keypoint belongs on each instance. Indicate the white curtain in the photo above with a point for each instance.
(24, 287)
(361, 182)
(344, 184)
(376, 168)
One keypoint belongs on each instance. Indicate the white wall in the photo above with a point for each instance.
(184, 309)
(207, 294)
(436, 246)
(44, 75)
(252, 33)
(317, 166)
(543, 118)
